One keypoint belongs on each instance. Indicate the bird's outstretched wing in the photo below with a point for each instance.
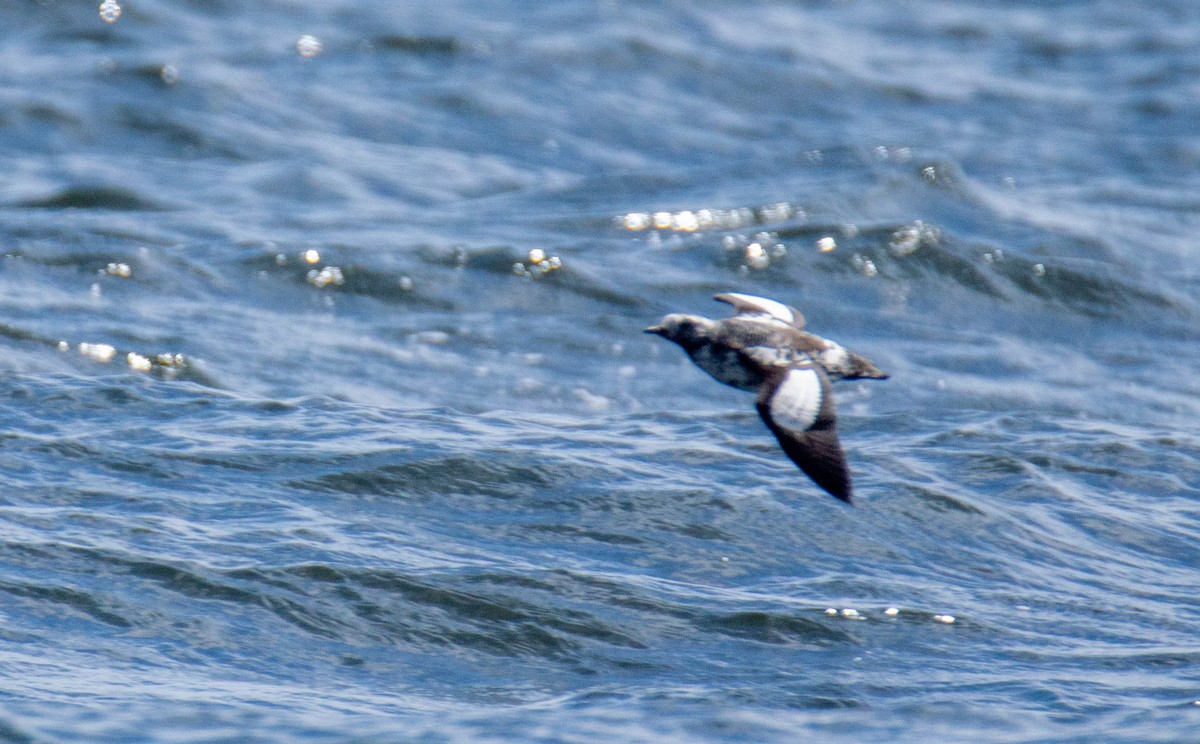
(745, 304)
(796, 403)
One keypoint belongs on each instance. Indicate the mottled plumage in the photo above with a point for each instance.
(765, 349)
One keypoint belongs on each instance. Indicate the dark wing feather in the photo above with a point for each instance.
(819, 454)
(817, 451)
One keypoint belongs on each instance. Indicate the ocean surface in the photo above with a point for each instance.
(326, 414)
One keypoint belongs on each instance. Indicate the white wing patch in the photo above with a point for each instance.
(776, 310)
(835, 359)
(771, 356)
(797, 400)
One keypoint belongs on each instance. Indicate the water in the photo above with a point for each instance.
(349, 475)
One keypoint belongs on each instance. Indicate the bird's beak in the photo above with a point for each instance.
(655, 329)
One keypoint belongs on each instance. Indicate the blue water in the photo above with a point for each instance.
(293, 452)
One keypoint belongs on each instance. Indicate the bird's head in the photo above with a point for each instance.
(689, 331)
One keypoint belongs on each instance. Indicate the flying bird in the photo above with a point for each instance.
(764, 348)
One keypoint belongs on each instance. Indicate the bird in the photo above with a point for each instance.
(764, 348)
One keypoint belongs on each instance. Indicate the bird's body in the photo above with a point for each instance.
(765, 349)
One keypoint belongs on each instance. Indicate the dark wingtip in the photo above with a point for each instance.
(866, 374)
(862, 368)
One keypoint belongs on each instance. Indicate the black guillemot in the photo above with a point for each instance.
(764, 348)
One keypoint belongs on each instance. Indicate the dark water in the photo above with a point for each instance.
(404, 493)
